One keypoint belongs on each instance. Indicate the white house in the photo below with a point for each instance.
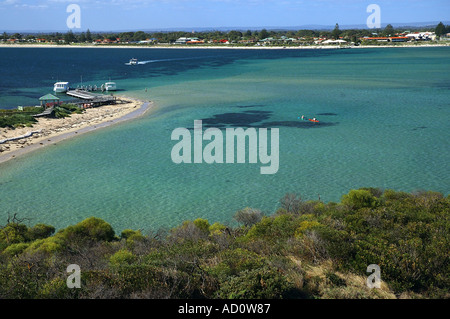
(422, 36)
(330, 41)
(182, 40)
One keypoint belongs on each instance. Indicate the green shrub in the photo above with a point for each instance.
(216, 229)
(122, 257)
(92, 228)
(202, 224)
(40, 231)
(306, 226)
(274, 229)
(259, 283)
(13, 233)
(233, 262)
(16, 120)
(65, 110)
(50, 245)
(128, 233)
(360, 198)
(191, 230)
(132, 237)
(15, 249)
(57, 289)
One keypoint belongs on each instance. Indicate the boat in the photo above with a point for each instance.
(303, 118)
(110, 86)
(133, 61)
(61, 87)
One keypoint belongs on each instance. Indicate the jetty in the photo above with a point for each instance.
(46, 112)
(95, 99)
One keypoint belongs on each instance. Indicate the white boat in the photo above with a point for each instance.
(110, 86)
(133, 61)
(61, 87)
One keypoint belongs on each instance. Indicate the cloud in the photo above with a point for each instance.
(20, 5)
(9, 2)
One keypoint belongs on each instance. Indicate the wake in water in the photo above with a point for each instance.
(166, 60)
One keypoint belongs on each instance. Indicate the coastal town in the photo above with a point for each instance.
(250, 38)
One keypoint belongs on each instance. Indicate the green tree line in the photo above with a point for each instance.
(233, 35)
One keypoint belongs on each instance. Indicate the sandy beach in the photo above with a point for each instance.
(48, 131)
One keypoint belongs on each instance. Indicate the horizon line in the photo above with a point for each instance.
(312, 27)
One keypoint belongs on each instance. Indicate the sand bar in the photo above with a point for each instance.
(48, 131)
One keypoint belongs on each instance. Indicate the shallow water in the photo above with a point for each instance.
(383, 123)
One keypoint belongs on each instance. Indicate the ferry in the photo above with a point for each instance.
(61, 87)
(110, 86)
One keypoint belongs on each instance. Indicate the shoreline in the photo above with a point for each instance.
(52, 131)
(170, 46)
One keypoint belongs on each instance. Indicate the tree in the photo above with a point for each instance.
(389, 30)
(139, 36)
(88, 36)
(440, 29)
(263, 34)
(69, 37)
(336, 32)
(234, 35)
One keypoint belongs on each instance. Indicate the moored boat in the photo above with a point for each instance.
(110, 86)
(61, 87)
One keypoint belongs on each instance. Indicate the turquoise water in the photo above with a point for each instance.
(383, 123)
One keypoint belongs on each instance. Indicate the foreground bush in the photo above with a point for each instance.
(305, 250)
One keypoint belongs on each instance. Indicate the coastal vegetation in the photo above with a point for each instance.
(24, 117)
(306, 249)
(15, 118)
(65, 110)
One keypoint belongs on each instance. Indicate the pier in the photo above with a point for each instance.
(95, 99)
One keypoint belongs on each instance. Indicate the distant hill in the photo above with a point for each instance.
(406, 25)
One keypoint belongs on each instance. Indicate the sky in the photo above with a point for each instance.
(134, 15)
